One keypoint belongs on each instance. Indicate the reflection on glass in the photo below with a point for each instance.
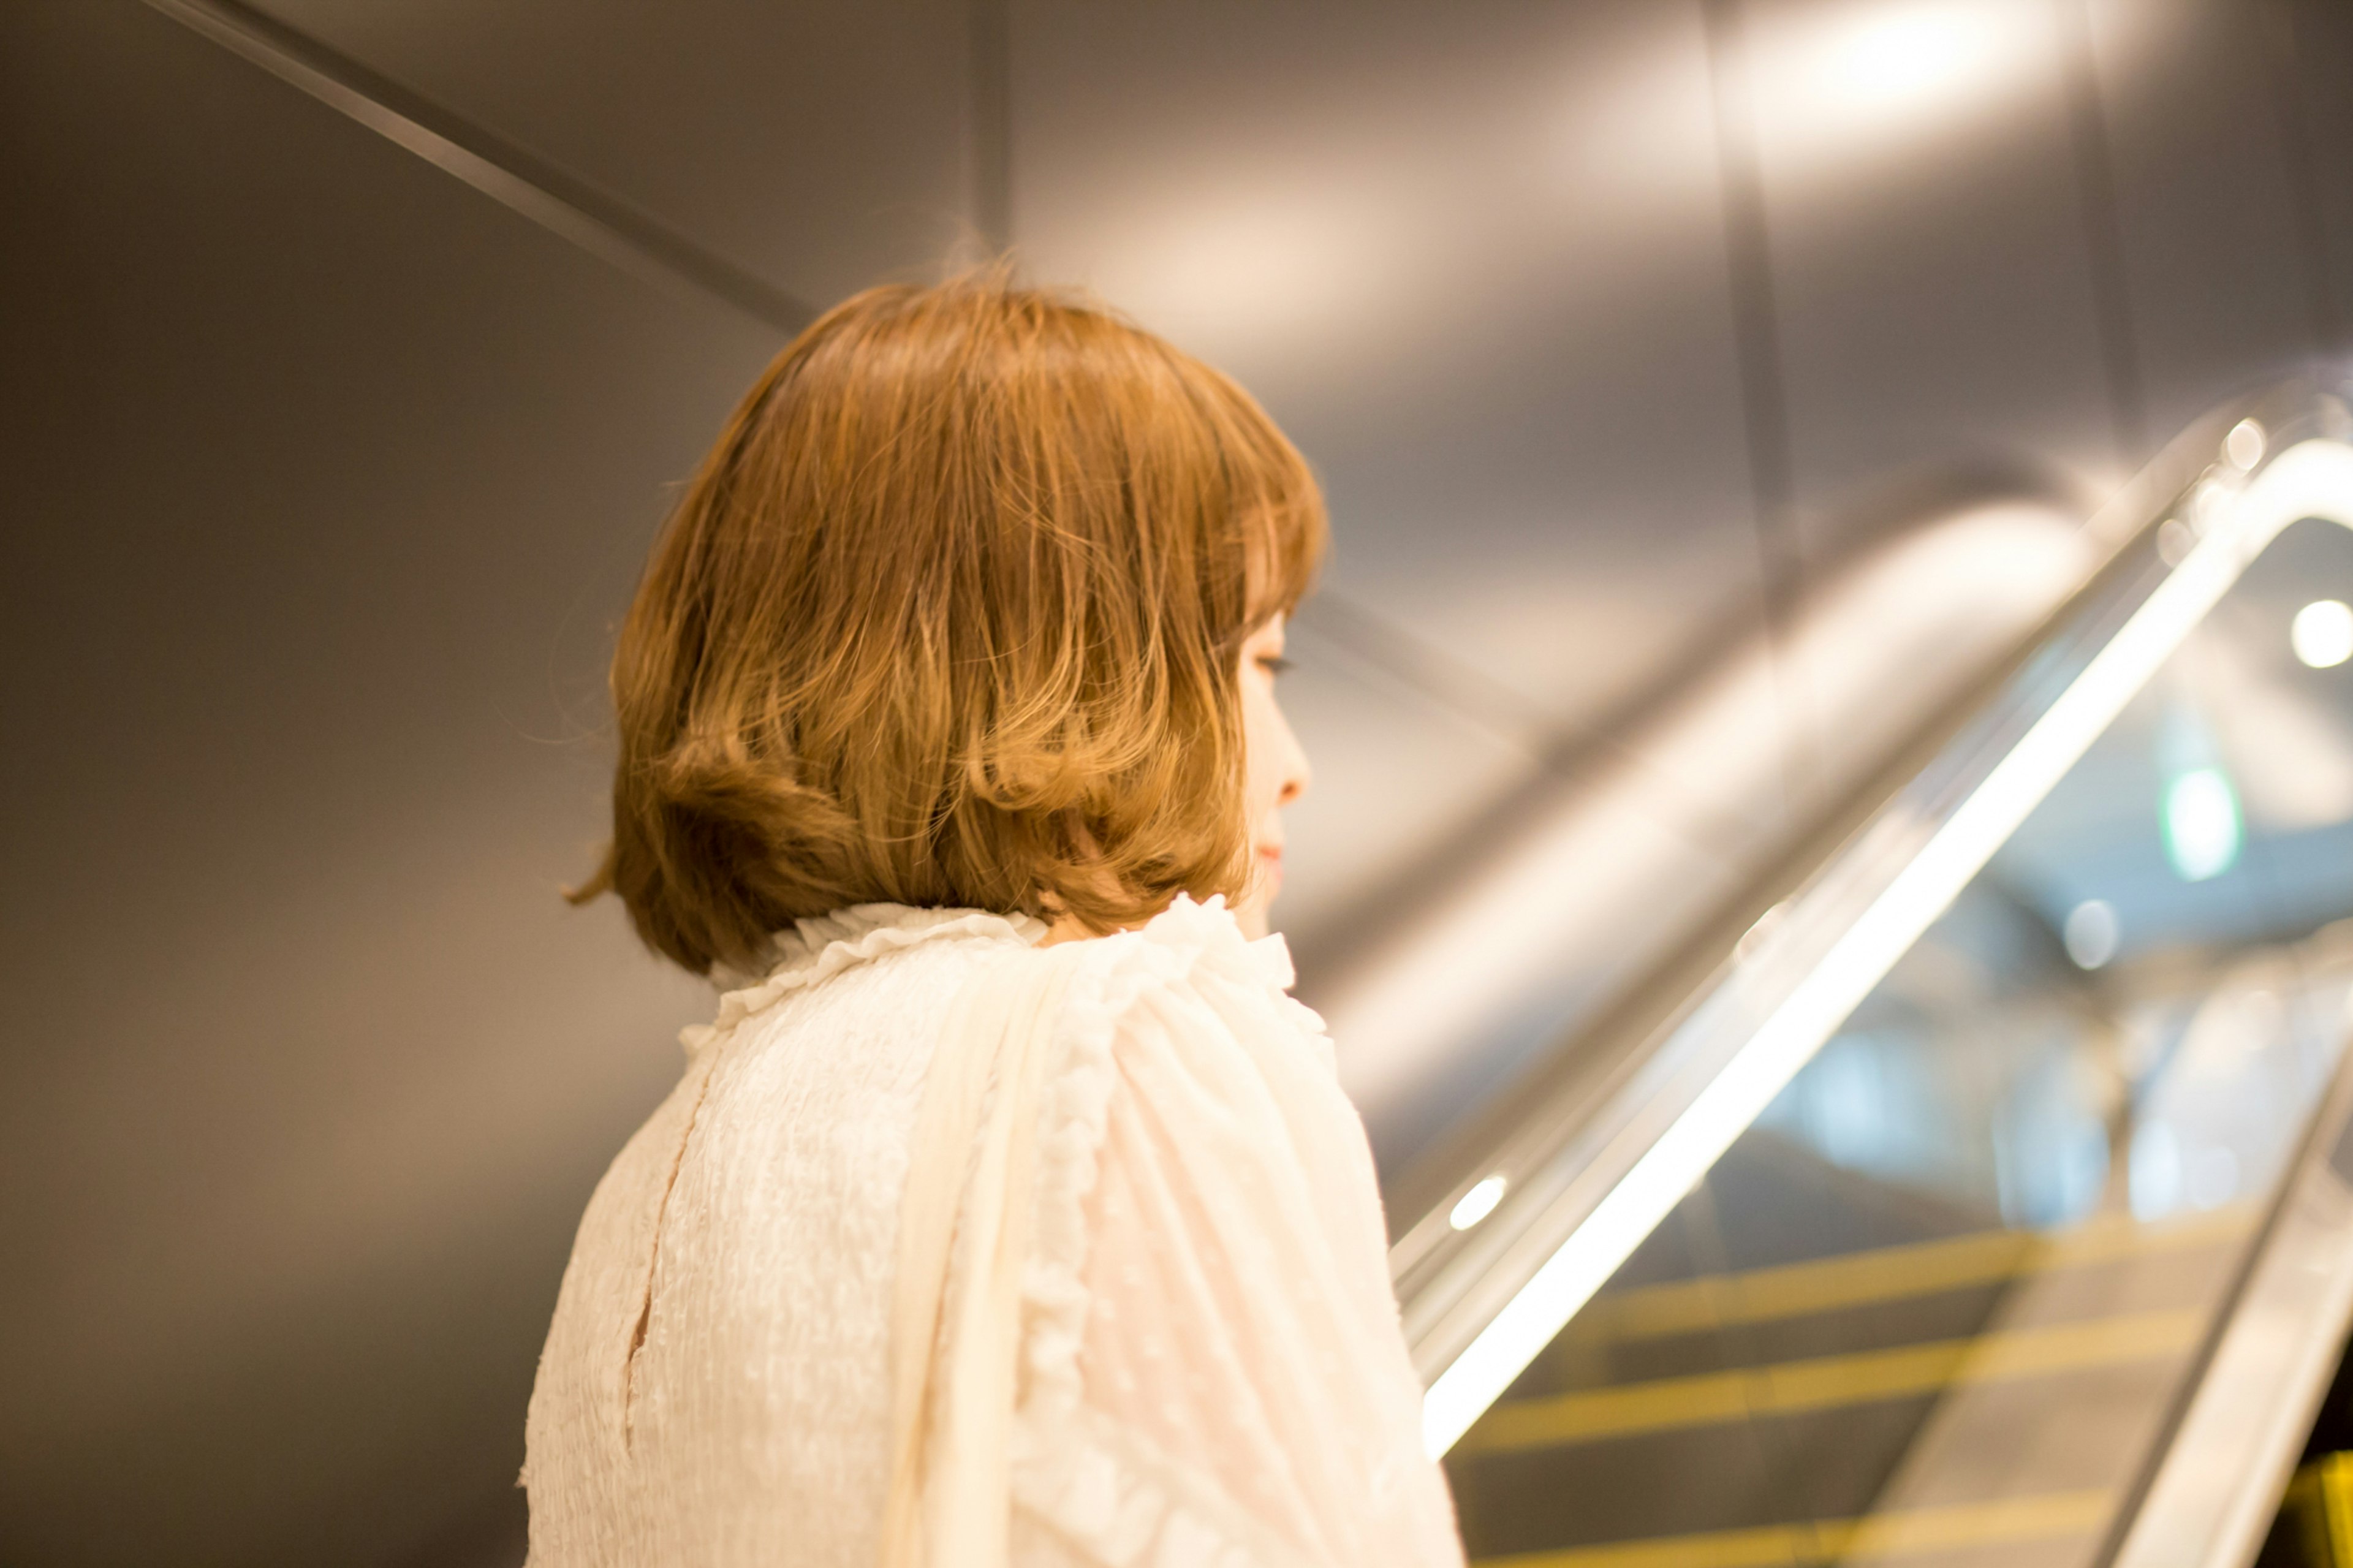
(2092, 933)
(1941, 1296)
(1478, 1202)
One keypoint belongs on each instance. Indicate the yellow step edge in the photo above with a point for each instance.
(2319, 1508)
(1825, 1382)
(1889, 1274)
(2007, 1521)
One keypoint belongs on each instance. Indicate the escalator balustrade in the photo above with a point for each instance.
(2314, 1526)
(1964, 1291)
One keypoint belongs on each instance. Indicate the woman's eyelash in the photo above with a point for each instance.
(1274, 663)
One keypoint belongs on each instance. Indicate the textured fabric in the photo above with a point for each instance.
(970, 1191)
(1210, 1368)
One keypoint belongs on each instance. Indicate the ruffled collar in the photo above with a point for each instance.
(1210, 929)
(824, 945)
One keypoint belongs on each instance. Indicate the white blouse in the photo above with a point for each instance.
(1210, 1368)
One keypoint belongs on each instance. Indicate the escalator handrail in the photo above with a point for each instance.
(1588, 1182)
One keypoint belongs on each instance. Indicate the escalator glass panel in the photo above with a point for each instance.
(1943, 1298)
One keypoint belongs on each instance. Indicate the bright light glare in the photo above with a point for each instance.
(2202, 823)
(2313, 479)
(2244, 445)
(1757, 934)
(2092, 933)
(2322, 633)
(1913, 57)
(2174, 539)
(1477, 1204)
(1851, 83)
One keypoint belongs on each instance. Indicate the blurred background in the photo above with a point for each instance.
(1706, 389)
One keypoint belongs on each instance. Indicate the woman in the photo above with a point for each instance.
(1009, 1211)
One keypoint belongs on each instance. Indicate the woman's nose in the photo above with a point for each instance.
(1296, 774)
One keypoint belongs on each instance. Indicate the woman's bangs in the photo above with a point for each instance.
(1276, 505)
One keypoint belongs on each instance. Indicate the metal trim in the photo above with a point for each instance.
(2207, 1498)
(565, 205)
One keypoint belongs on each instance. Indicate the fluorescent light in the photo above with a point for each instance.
(2322, 633)
(2314, 479)
(1905, 57)
(1839, 84)
(2200, 819)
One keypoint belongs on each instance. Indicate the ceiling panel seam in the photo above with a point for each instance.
(562, 203)
(1757, 349)
(2095, 187)
(992, 122)
(2278, 45)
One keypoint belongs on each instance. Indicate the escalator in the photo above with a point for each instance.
(1978, 1186)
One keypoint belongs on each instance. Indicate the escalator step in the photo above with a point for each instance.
(2007, 1525)
(1830, 1381)
(2316, 1525)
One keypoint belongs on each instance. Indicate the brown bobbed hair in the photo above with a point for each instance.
(951, 616)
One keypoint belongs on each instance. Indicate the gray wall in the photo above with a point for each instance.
(329, 473)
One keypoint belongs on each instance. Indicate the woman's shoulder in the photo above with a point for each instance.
(1199, 947)
(1186, 1010)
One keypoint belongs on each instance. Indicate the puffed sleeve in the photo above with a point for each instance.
(1213, 1370)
